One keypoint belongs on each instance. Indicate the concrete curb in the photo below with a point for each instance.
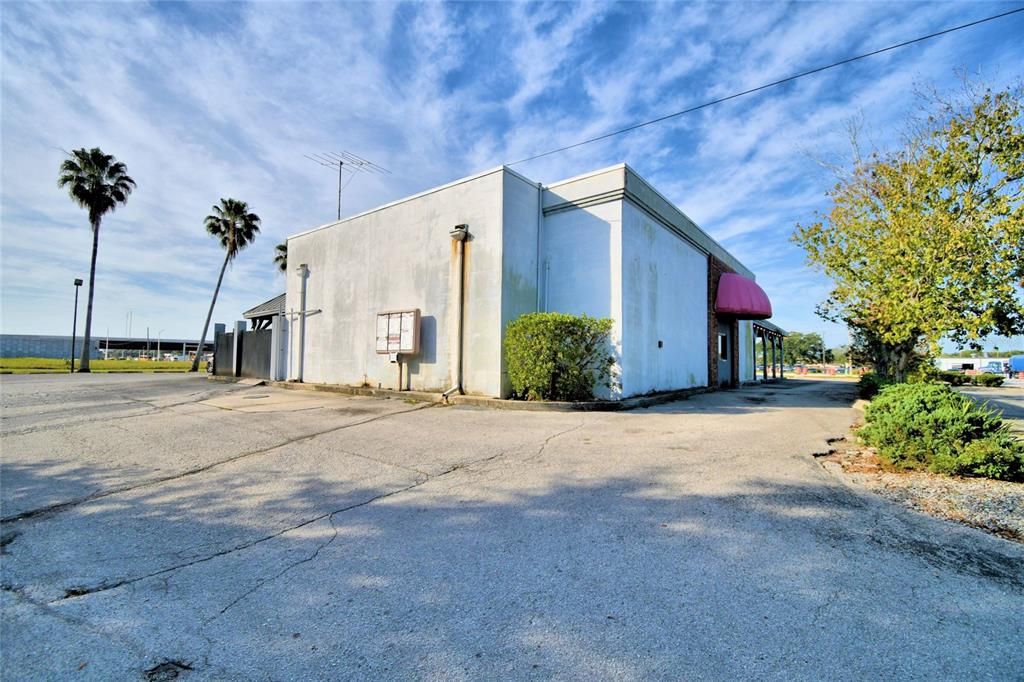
(580, 406)
(491, 403)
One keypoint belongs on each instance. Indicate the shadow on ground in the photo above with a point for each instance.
(467, 574)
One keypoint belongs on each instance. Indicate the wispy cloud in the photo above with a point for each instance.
(224, 99)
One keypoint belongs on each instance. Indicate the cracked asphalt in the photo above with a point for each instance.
(167, 523)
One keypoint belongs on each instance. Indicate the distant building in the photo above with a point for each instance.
(946, 364)
(606, 244)
(41, 346)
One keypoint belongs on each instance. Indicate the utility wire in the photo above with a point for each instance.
(768, 85)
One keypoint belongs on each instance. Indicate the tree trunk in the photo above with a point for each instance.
(202, 339)
(84, 364)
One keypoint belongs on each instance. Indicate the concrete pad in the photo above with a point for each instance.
(690, 540)
(276, 400)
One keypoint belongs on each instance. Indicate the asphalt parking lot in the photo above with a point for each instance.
(166, 525)
(1008, 399)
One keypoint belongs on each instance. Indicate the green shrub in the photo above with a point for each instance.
(999, 456)
(954, 378)
(555, 356)
(931, 426)
(870, 384)
(988, 379)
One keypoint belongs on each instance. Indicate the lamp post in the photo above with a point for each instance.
(74, 325)
(159, 334)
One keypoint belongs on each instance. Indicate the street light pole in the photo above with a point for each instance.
(159, 334)
(74, 325)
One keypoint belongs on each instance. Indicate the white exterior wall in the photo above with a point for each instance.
(945, 364)
(747, 366)
(605, 244)
(521, 223)
(582, 266)
(664, 294)
(398, 257)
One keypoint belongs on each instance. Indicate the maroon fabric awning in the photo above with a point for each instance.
(742, 297)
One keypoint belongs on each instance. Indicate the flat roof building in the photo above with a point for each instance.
(606, 244)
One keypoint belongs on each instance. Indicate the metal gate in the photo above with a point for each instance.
(256, 349)
(224, 354)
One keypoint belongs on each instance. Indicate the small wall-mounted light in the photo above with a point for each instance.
(459, 232)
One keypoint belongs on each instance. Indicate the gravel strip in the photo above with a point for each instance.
(993, 506)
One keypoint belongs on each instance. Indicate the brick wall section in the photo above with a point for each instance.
(715, 270)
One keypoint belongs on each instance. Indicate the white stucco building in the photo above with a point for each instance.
(606, 244)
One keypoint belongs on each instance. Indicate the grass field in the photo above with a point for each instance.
(58, 366)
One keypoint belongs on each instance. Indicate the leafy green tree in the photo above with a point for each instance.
(802, 348)
(281, 257)
(924, 242)
(840, 354)
(98, 183)
(235, 227)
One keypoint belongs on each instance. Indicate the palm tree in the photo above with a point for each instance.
(281, 257)
(98, 183)
(236, 228)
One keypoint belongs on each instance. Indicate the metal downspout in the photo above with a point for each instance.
(303, 273)
(459, 233)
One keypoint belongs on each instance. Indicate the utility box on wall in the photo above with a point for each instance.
(398, 332)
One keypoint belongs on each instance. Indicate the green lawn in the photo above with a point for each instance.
(58, 366)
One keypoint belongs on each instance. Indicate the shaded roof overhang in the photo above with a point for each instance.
(266, 309)
(742, 297)
(769, 328)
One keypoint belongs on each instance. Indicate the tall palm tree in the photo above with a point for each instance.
(281, 257)
(235, 227)
(98, 183)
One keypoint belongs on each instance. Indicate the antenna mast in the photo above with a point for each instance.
(346, 162)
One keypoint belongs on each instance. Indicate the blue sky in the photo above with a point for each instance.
(211, 100)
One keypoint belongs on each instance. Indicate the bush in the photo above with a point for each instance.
(931, 426)
(954, 378)
(988, 379)
(555, 356)
(999, 456)
(870, 384)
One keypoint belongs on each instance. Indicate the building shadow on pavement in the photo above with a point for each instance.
(495, 570)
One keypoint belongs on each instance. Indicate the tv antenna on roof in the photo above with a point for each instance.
(346, 162)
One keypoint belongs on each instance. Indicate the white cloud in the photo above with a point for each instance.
(211, 100)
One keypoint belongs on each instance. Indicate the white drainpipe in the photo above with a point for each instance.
(303, 274)
(459, 233)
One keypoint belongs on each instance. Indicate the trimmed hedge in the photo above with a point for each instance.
(959, 379)
(556, 356)
(988, 379)
(931, 426)
(954, 378)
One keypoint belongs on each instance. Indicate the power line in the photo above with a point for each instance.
(768, 85)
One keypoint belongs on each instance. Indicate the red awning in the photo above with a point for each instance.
(742, 297)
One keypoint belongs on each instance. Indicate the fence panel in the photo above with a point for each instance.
(223, 354)
(256, 356)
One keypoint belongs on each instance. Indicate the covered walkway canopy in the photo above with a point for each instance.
(770, 335)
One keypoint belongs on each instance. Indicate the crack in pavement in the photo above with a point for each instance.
(106, 586)
(330, 517)
(260, 583)
(544, 445)
(61, 506)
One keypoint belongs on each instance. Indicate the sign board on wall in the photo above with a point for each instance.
(398, 331)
